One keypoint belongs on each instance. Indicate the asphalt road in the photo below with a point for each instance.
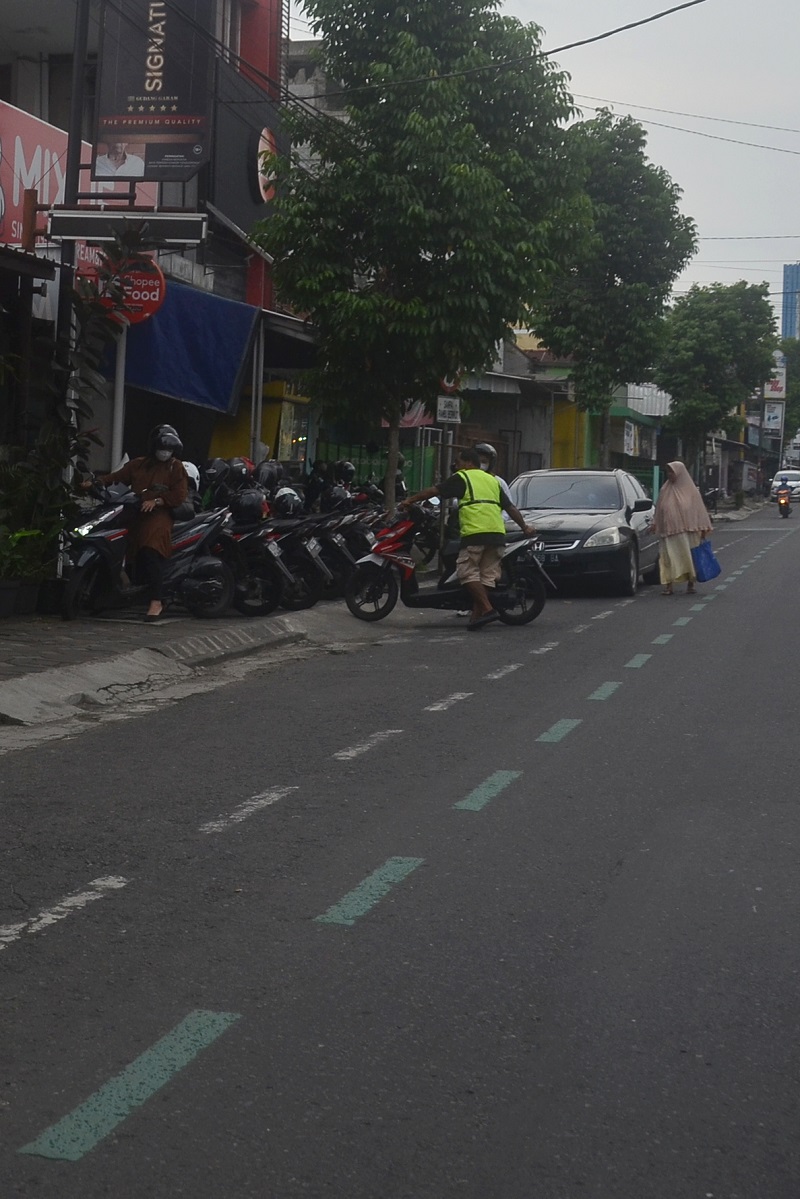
(510, 915)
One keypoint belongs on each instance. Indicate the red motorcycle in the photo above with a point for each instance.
(388, 573)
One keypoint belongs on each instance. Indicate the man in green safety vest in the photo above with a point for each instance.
(481, 504)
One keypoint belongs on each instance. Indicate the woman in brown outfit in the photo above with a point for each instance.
(161, 481)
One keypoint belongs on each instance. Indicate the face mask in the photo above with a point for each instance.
(484, 466)
(163, 455)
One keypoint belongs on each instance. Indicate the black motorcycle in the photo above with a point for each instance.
(96, 569)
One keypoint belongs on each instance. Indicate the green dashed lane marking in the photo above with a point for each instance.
(709, 598)
(374, 887)
(682, 620)
(721, 587)
(487, 791)
(663, 638)
(559, 730)
(82, 1129)
(604, 691)
(638, 660)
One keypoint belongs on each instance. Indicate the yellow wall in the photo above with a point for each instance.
(569, 432)
(231, 437)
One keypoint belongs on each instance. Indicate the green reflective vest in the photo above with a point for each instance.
(479, 511)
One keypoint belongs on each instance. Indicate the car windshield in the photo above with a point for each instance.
(792, 476)
(566, 491)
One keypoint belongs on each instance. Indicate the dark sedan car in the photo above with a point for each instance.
(594, 524)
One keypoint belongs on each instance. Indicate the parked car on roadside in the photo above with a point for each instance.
(594, 525)
(792, 478)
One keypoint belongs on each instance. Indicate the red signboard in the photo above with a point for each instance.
(34, 154)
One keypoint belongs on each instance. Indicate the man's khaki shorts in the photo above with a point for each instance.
(479, 564)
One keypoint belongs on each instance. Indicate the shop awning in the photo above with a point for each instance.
(195, 348)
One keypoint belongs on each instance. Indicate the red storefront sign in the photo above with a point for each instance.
(34, 154)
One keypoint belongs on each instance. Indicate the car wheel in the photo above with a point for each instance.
(629, 581)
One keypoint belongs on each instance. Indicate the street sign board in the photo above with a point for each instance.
(448, 410)
(167, 228)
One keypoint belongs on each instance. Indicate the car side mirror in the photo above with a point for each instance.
(642, 505)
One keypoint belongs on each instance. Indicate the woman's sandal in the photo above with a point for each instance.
(691, 589)
(667, 591)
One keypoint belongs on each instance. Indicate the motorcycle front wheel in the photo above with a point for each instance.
(83, 590)
(305, 589)
(260, 593)
(213, 605)
(524, 599)
(371, 592)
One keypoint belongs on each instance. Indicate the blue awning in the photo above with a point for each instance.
(194, 349)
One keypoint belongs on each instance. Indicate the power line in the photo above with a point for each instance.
(756, 237)
(511, 62)
(735, 141)
(694, 115)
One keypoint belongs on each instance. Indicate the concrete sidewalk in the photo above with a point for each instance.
(51, 669)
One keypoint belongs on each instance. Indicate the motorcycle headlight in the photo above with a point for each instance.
(604, 537)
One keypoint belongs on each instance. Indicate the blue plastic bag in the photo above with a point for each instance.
(706, 566)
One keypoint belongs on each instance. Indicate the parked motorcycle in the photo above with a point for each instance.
(388, 573)
(96, 561)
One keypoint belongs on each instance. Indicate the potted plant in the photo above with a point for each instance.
(22, 567)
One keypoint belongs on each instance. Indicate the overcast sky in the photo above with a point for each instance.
(731, 59)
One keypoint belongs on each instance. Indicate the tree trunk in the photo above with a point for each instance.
(605, 438)
(391, 459)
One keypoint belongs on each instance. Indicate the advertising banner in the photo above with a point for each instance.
(773, 417)
(154, 93)
(34, 154)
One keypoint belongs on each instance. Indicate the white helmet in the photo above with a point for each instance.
(194, 475)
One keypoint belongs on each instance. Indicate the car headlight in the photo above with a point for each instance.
(604, 537)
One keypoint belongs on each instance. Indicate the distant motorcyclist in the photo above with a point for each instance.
(783, 489)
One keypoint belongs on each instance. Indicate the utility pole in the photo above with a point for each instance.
(73, 170)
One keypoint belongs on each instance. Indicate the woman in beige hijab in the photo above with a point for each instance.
(681, 523)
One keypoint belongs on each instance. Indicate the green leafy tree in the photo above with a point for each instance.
(790, 348)
(414, 235)
(717, 349)
(605, 310)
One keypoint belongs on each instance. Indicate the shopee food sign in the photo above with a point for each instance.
(34, 154)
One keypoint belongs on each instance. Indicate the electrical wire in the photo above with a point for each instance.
(735, 141)
(512, 62)
(693, 115)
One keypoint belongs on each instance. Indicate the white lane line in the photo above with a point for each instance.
(344, 755)
(255, 804)
(581, 628)
(503, 671)
(448, 702)
(603, 615)
(546, 648)
(72, 903)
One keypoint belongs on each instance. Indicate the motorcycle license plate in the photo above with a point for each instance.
(313, 545)
(371, 538)
(337, 537)
(274, 549)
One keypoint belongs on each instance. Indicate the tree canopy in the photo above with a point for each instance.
(415, 234)
(605, 310)
(717, 349)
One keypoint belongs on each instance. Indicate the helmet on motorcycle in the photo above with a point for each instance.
(247, 507)
(287, 502)
(488, 452)
(269, 474)
(194, 476)
(239, 474)
(334, 498)
(164, 443)
(216, 470)
(344, 471)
